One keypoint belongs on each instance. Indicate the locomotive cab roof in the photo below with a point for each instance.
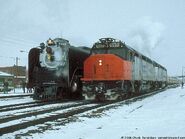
(108, 43)
(110, 46)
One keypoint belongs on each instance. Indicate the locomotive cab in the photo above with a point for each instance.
(107, 71)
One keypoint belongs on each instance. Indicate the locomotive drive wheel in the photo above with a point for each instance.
(75, 85)
(76, 88)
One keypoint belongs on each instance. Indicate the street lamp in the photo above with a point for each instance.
(22, 51)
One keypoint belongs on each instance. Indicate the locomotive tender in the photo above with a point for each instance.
(115, 71)
(55, 69)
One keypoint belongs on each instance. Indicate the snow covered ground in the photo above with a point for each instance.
(17, 91)
(160, 115)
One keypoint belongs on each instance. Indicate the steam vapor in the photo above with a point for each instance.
(146, 35)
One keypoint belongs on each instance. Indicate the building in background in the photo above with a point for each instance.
(5, 77)
(18, 73)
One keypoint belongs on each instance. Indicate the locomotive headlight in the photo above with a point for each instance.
(100, 62)
(50, 57)
(49, 53)
(50, 42)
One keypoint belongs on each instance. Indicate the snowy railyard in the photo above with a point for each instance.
(159, 115)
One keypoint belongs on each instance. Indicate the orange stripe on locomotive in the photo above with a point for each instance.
(106, 67)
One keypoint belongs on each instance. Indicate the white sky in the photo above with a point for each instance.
(155, 28)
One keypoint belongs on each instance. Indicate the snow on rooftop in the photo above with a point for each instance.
(5, 74)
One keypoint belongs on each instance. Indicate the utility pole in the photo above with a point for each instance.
(16, 59)
(17, 64)
(23, 51)
(16, 70)
(183, 76)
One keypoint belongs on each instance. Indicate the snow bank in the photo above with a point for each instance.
(9, 101)
(161, 115)
(156, 116)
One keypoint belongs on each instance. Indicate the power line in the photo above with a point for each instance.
(15, 41)
(14, 37)
(14, 44)
(15, 59)
(7, 57)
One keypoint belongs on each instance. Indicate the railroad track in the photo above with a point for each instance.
(14, 96)
(22, 121)
(43, 116)
(27, 105)
(30, 104)
(38, 112)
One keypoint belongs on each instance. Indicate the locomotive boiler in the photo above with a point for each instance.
(55, 69)
(116, 71)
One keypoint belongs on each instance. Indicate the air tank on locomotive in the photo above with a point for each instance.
(55, 69)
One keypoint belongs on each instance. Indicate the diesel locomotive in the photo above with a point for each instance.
(114, 71)
(55, 69)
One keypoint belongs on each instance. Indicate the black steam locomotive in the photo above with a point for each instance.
(55, 69)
